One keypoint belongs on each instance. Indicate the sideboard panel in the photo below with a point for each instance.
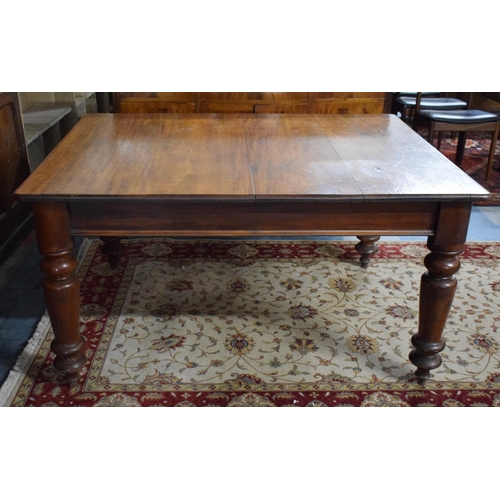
(250, 102)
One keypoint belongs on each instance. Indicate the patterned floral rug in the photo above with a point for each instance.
(477, 148)
(267, 323)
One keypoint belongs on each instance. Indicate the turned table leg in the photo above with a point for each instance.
(61, 287)
(437, 289)
(366, 247)
(112, 248)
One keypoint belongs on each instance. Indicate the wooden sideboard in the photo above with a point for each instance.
(489, 101)
(252, 102)
(15, 216)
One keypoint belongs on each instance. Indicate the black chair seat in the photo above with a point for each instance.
(433, 103)
(414, 94)
(461, 116)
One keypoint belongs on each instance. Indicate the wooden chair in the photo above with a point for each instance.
(461, 121)
(406, 102)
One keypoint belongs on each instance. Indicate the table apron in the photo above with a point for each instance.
(124, 218)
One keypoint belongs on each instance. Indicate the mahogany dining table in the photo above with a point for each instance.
(124, 175)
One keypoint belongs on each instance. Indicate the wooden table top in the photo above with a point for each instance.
(233, 156)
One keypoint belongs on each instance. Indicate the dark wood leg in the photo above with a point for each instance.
(367, 247)
(437, 289)
(491, 154)
(431, 132)
(440, 138)
(112, 248)
(462, 137)
(61, 287)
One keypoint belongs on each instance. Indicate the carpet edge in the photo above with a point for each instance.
(9, 388)
(14, 379)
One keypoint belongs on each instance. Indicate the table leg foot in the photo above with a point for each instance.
(425, 357)
(69, 360)
(112, 248)
(367, 247)
(437, 289)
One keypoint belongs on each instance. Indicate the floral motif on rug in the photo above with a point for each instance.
(270, 323)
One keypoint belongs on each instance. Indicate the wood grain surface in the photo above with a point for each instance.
(239, 156)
